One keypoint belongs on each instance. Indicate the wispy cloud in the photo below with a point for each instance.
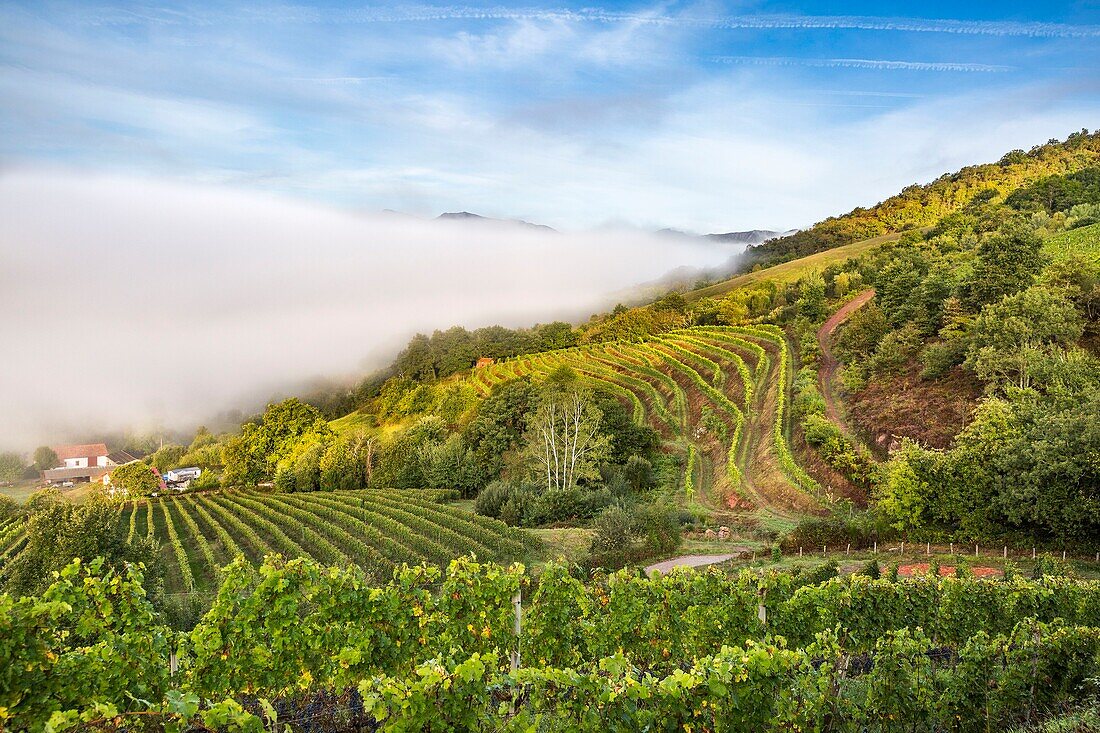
(861, 64)
(763, 21)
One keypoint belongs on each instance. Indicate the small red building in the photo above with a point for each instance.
(484, 362)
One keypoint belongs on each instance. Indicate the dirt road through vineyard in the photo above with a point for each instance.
(826, 371)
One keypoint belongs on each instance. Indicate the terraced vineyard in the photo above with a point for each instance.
(377, 530)
(718, 397)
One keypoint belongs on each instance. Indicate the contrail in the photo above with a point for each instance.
(426, 13)
(859, 64)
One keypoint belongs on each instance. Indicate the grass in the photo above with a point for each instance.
(20, 490)
(568, 544)
(1084, 242)
(791, 271)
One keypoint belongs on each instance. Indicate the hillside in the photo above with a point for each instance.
(856, 389)
(923, 205)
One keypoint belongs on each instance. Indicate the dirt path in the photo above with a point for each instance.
(826, 370)
(692, 561)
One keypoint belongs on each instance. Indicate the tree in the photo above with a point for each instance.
(45, 458)
(342, 465)
(498, 427)
(253, 456)
(1007, 263)
(167, 456)
(811, 297)
(564, 438)
(135, 479)
(863, 331)
(1006, 335)
(11, 466)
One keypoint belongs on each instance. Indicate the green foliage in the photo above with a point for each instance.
(1008, 337)
(811, 298)
(134, 480)
(11, 466)
(1007, 263)
(59, 531)
(619, 653)
(45, 458)
(1023, 462)
(166, 457)
(635, 324)
(920, 206)
(253, 456)
(624, 536)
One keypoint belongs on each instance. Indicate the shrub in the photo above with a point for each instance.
(560, 505)
(493, 497)
(624, 536)
(639, 474)
(1050, 566)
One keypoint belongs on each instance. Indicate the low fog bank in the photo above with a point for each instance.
(131, 303)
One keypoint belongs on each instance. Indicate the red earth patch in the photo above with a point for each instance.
(921, 568)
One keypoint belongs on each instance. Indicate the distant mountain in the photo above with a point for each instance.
(752, 236)
(467, 216)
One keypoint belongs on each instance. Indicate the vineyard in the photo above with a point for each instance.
(718, 398)
(376, 530)
(293, 643)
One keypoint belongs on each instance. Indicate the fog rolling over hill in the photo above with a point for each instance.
(202, 299)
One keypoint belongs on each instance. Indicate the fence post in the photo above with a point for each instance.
(927, 548)
(849, 551)
(800, 552)
(1063, 554)
(975, 550)
(876, 547)
(952, 548)
(1032, 553)
(517, 608)
(824, 549)
(1005, 552)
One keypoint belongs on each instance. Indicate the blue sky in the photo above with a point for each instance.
(704, 116)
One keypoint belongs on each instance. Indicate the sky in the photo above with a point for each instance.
(193, 193)
(702, 116)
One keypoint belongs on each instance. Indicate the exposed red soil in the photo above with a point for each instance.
(922, 568)
(907, 406)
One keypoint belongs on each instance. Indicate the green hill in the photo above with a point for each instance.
(923, 205)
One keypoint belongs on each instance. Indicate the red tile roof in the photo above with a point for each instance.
(90, 450)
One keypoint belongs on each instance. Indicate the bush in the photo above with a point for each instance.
(816, 575)
(624, 536)
(561, 505)
(861, 531)
(837, 450)
(491, 500)
(1050, 566)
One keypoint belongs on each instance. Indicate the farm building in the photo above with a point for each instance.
(83, 463)
(484, 361)
(78, 464)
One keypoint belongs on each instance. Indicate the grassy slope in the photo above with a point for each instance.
(793, 270)
(1084, 242)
